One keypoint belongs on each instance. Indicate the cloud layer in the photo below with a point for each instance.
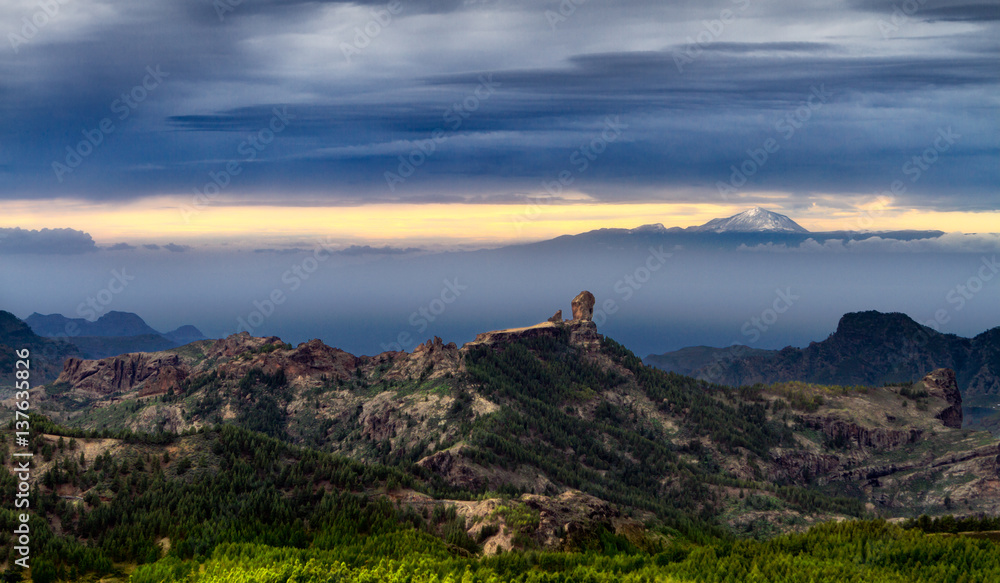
(345, 103)
(45, 242)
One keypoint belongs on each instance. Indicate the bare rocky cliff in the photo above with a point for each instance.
(154, 372)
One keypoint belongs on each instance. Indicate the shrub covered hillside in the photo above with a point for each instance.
(543, 453)
(226, 504)
(856, 552)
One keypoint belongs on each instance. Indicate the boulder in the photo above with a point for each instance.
(557, 317)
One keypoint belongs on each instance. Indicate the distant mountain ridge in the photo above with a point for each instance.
(113, 323)
(749, 229)
(755, 220)
(112, 334)
(868, 348)
(46, 356)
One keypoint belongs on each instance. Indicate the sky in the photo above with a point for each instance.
(208, 148)
(211, 121)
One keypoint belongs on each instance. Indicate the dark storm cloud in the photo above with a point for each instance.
(626, 83)
(965, 13)
(238, 8)
(45, 241)
(691, 110)
(945, 10)
(651, 79)
(791, 47)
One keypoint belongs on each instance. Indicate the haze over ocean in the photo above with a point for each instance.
(206, 148)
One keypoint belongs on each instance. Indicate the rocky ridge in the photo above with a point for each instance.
(882, 444)
(868, 348)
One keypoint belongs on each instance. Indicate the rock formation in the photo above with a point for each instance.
(157, 372)
(941, 383)
(430, 360)
(582, 329)
(861, 436)
(896, 349)
(583, 306)
(582, 333)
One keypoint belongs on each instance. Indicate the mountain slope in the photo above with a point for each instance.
(113, 323)
(689, 361)
(555, 407)
(549, 438)
(46, 356)
(112, 334)
(184, 335)
(868, 348)
(752, 221)
(225, 504)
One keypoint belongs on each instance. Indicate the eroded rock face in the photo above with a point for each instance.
(159, 372)
(584, 334)
(802, 466)
(941, 383)
(557, 317)
(430, 360)
(380, 418)
(859, 436)
(455, 468)
(314, 358)
(236, 344)
(583, 306)
(305, 363)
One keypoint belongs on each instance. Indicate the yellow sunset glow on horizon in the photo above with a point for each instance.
(167, 218)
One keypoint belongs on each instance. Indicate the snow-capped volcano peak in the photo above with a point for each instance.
(752, 221)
